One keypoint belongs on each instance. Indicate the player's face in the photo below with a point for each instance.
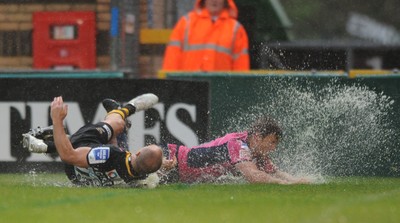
(214, 6)
(263, 146)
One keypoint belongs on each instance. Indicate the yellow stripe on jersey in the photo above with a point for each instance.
(128, 155)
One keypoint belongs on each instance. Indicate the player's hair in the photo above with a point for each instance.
(265, 125)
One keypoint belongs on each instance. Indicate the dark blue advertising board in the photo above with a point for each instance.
(181, 116)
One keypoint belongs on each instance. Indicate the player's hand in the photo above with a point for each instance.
(168, 164)
(58, 109)
(303, 180)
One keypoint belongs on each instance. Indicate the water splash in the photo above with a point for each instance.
(32, 175)
(337, 130)
(40, 179)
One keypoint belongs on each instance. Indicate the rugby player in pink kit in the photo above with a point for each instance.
(240, 154)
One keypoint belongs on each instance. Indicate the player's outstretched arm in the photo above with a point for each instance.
(292, 179)
(64, 147)
(253, 175)
(168, 164)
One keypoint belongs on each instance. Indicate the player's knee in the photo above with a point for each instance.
(117, 124)
(120, 124)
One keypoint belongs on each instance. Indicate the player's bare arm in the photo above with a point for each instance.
(64, 147)
(168, 164)
(253, 175)
(291, 178)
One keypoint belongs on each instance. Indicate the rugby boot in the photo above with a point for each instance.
(122, 139)
(33, 144)
(110, 104)
(144, 101)
(44, 133)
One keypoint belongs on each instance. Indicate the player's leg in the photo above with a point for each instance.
(35, 145)
(139, 103)
(116, 118)
(122, 139)
(45, 133)
(39, 140)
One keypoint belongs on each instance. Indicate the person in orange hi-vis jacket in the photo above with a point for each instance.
(209, 38)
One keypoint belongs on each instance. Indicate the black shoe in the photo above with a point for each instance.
(110, 104)
(44, 133)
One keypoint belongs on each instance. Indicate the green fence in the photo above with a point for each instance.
(333, 125)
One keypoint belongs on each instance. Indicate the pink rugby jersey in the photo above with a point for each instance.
(208, 161)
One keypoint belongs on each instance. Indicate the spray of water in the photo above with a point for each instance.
(338, 130)
(40, 179)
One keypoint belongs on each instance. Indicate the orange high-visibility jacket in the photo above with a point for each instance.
(199, 44)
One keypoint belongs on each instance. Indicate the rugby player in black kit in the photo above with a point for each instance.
(92, 154)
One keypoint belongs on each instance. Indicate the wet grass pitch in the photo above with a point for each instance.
(50, 198)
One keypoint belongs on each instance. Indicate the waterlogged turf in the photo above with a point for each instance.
(50, 198)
